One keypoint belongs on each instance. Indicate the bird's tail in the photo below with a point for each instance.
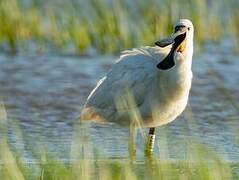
(90, 114)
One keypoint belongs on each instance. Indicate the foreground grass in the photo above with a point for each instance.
(200, 163)
(110, 26)
(204, 165)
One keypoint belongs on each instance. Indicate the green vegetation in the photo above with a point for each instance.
(110, 26)
(117, 169)
(85, 163)
(201, 163)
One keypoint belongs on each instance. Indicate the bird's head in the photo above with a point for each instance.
(182, 36)
(181, 41)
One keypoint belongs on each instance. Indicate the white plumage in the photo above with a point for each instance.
(160, 94)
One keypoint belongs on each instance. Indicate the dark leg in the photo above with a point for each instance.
(149, 148)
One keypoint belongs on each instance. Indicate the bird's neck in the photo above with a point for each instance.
(185, 59)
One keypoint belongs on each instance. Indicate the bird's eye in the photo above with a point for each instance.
(188, 28)
(179, 27)
(176, 28)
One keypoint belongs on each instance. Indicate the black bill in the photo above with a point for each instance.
(168, 61)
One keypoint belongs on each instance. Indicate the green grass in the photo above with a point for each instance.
(111, 27)
(200, 162)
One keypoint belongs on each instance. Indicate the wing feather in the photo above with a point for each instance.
(135, 72)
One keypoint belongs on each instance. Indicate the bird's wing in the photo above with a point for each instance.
(131, 77)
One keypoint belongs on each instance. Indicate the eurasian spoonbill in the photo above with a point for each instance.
(158, 79)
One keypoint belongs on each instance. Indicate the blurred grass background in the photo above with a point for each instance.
(106, 26)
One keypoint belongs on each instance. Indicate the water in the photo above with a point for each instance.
(43, 95)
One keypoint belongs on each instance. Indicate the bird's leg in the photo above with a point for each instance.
(132, 138)
(149, 148)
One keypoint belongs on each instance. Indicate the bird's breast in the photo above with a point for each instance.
(170, 99)
(175, 84)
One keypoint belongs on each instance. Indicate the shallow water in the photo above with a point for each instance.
(43, 95)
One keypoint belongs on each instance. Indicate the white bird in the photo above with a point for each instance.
(158, 79)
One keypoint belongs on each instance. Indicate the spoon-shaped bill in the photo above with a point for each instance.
(168, 61)
(170, 40)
